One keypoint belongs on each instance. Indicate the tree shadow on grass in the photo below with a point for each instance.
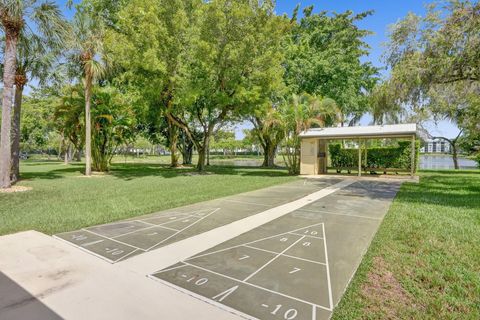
(51, 174)
(129, 171)
(132, 171)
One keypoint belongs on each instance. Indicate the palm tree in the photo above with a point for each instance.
(36, 56)
(16, 16)
(300, 113)
(89, 60)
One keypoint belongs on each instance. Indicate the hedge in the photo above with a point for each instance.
(379, 157)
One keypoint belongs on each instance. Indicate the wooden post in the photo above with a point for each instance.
(412, 169)
(359, 158)
(366, 155)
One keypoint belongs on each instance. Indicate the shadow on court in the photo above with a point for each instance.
(16, 303)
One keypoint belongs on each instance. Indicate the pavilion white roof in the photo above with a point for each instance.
(393, 130)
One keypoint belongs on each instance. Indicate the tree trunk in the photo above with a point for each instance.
(269, 154)
(78, 155)
(11, 38)
(17, 110)
(201, 159)
(173, 137)
(187, 152)
(455, 155)
(88, 125)
(207, 144)
(65, 156)
(203, 150)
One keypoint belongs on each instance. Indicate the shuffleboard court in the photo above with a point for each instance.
(294, 267)
(117, 241)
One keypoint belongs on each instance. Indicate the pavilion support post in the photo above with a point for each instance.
(366, 155)
(412, 165)
(359, 157)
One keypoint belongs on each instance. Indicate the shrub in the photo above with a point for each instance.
(378, 157)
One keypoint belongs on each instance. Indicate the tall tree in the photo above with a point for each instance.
(267, 127)
(236, 67)
(152, 42)
(324, 54)
(89, 61)
(36, 56)
(16, 16)
(434, 61)
(37, 120)
(322, 57)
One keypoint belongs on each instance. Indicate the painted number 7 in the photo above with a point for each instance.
(295, 270)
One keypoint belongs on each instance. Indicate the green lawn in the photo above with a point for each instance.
(424, 262)
(62, 199)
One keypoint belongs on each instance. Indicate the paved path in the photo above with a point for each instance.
(51, 278)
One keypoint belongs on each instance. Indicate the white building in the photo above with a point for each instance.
(435, 146)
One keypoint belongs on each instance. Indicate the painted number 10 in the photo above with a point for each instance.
(288, 315)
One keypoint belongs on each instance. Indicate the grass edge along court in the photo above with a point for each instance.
(424, 262)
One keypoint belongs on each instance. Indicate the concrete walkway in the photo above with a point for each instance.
(46, 278)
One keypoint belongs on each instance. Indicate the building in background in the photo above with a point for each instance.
(435, 146)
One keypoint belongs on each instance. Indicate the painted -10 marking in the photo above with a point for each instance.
(290, 314)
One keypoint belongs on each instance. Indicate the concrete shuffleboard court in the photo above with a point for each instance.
(118, 241)
(294, 267)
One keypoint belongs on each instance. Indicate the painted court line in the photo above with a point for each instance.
(330, 299)
(246, 202)
(176, 233)
(170, 269)
(196, 244)
(277, 255)
(273, 259)
(163, 227)
(118, 241)
(84, 249)
(203, 298)
(298, 234)
(259, 287)
(125, 256)
(250, 242)
(286, 255)
(152, 225)
(340, 214)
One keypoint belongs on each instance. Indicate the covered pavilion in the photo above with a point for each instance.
(314, 144)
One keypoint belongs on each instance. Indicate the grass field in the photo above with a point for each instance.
(424, 262)
(62, 199)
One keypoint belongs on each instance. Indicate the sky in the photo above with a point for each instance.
(386, 12)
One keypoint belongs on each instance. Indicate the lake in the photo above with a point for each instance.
(444, 162)
(432, 162)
